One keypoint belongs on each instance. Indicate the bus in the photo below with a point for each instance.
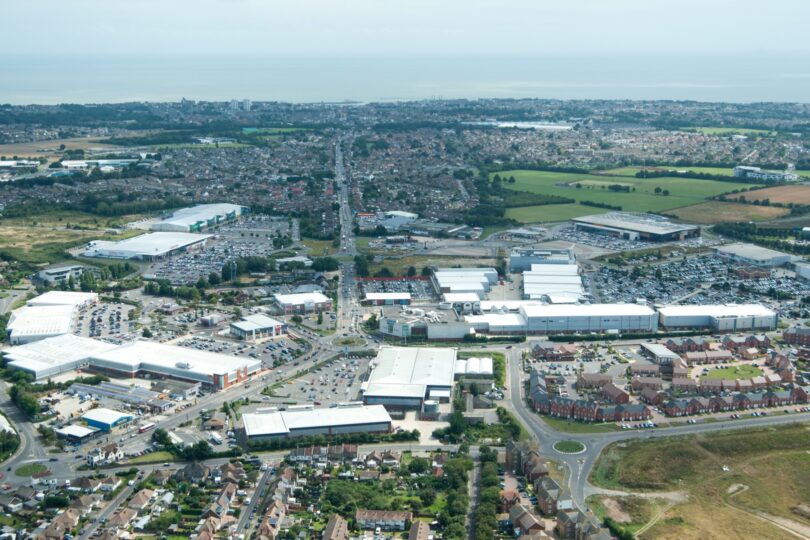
(146, 427)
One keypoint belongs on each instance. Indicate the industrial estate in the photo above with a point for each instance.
(253, 320)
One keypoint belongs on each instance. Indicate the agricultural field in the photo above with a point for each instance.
(744, 371)
(796, 193)
(642, 196)
(51, 148)
(713, 212)
(735, 484)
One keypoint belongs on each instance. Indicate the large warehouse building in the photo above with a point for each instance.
(404, 377)
(755, 255)
(522, 259)
(634, 226)
(199, 218)
(558, 283)
(719, 317)
(105, 419)
(52, 356)
(567, 318)
(146, 247)
(258, 326)
(64, 353)
(273, 424)
(50, 314)
(465, 280)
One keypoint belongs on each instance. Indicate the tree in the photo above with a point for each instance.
(411, 271)
(146, 333)
(418, 465)
(214, 279)
(320, 318)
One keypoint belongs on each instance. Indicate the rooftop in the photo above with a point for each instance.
(150, 244)
(648, 223)
(55, 351)
(105, 416)
(282, 422)
(752, 252)
(186, 217)
(43, 320)
(63, 298)
(717, 310)
(301, 298)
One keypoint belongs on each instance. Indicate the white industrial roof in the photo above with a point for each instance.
(282, 422)
(474, 366)
(659, 350)
(186, 217)
(54, 352)
(147, 354)
(74, 430)
(105, 416)
(753, 252)
(717, 310)
(531, 278)
(151, 244)
(585, 310)
(301, 298)
(461, 297)
(498, 319)
(408, 371)
(256, 322)
(647, 223)
(63, 298)
(388, 296)
(509, 305)
(40, 320)
(555, 269)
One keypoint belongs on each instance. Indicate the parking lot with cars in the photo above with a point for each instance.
(419, 289)
(105, 320)
(337, 381)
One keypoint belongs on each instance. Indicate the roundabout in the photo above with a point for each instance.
(569, 447)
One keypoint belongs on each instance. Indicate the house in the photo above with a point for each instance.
(676, 407)
(141, 500)
(651, 397)
(10, 503)
(680, 369)
(516, 452)
(388, 520)
(687, 344)
(749, 353)
(110, 483)
(83, 503)
(194, 472)
(685, 385)
(613, 394)
(640, 383)
(230, 472)
(562, 407)
(336, 528)
(507, 498)
(593, 380)
(549, 494)
(105, 455)
(271, 523)
(85, 484)
(579, 525)
(161, 476)
(534, 468)
(342, 453)
(630, 411)
(122, 518)
(645, 370)
(385, 458)
(524, 521)
(217, 422)
(419, 531)
(711, 386)
(555, 352)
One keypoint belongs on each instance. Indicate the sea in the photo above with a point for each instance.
(106, 79)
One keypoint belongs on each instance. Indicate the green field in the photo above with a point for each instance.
(734, 372)
(731, 131)
(551, 212)
(569, 447)
(570, 426)
(154, 457)
(631, 171)
(682, 192)
(31, 469)
(200, 145)
(319, 248)
(269, 130)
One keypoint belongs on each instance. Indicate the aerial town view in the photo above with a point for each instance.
(334, 271)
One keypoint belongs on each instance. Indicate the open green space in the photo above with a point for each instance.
(570, 426)
(154, 457)
(731, 131)
(724, 480)
(202, 145)
(641, 198)
(319, 248)
(270, 130)
(631, 171)
(631, 513)
(548, 213)
(31, 469)
(569, 447)
(745, 371)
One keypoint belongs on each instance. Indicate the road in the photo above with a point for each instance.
(108, 511)
(247, 511)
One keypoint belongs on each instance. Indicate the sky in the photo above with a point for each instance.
(72, 40)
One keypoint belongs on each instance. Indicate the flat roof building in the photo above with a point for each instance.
(52, 356)
(404, 377)
(271, 425)
(257, 326)
(199, 218)
(214, 370)
(28, 324)
(105, 419)
(636, 226)
(522, 259)
(719, 317)
(465, 280)
(303, 302)
(658, 353)
(387, 298)
(76, 434)
(756, 255)
(146, 247)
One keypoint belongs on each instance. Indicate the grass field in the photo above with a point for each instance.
(154, 457)
(566, 426)
(724, 212)
(734, 372)
(270, 130)
(682, 192)
(200, 145)
(399, 266)
(631, 171)
(569, 447)
(732, 131)
(797, 194)
(770, 469)
(319, 248)
(551, 212)
(632, 513)
(31, 469)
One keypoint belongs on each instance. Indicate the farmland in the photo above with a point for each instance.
(633, 194)
(797, 194)
(713, 212)
(768, 471)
